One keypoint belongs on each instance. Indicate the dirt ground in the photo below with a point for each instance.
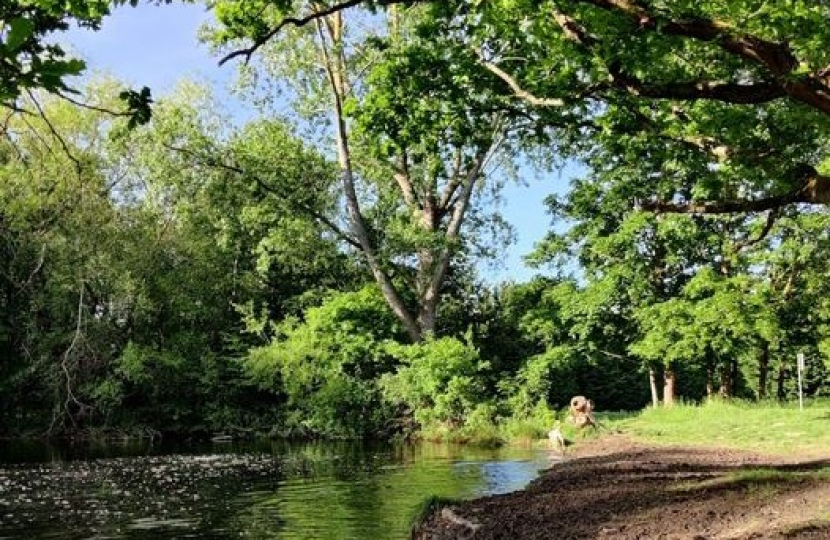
(612, 488)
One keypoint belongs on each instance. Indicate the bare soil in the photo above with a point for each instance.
(613, 488)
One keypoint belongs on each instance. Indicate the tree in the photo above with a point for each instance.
(216, 254)
(718, 322)
(59, 231)
(721, 88)
(409, 133)
(28, 62)
(440, 384)
(791, 271)
(134, 275)
(704, 300)
(738, 93)
(632, 262)
(717, 107)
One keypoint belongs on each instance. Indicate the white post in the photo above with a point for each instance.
(800, 360)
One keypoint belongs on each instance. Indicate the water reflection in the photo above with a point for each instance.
(268, 489)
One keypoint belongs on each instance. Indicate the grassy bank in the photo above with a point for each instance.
(766, 427)
(769, 427)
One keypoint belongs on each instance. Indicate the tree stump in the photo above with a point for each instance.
(582, 412)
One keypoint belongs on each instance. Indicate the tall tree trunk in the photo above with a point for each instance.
(657, 277)
(427, 305)
(435, 266)
(763, 371)
(668, 387)
(433, 205)
(334, 64)
(652, 380)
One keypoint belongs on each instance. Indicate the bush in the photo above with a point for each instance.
(440, 382)
(327, 366)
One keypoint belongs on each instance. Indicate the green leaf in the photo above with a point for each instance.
(20, 30)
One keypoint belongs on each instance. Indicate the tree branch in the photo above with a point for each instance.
(777, 58)
(307, 209)
(248, 52)
(572, 29)
(70, 394)
(91, 107)
(55, 133)
(517, 89)
(463, 201)
(431, 291)
(720, 207)
(749, 241)
(402, 177)
(452, 184)
(760, 92)
(340, 233)
(814, 188)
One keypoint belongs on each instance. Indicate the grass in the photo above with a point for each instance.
(766, 427)
(766, 475)
(768, 483)
(762, 481)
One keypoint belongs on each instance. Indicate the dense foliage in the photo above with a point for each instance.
(314, 274)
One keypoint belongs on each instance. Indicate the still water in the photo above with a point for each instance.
(252, 490)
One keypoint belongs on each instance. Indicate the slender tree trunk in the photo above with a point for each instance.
(710, 377)
(433, 205)
(782, 378)
(726, 380)
(668, 387)
(763, 371)
(652, 380)
(427, 298)
(657, 281)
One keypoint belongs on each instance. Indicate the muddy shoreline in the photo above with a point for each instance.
(615, 488)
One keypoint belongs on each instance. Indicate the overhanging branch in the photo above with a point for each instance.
(776, 57)
(52, 129)
(248, 52)
(814, 188)
(517, 89)
(729, 92)
(719, 207)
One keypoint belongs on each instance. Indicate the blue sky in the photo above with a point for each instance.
(157, 46)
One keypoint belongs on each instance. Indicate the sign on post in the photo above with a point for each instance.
(800, 362)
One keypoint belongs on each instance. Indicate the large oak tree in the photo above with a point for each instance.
(737, 93)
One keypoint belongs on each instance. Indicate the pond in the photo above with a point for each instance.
(256, 490)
